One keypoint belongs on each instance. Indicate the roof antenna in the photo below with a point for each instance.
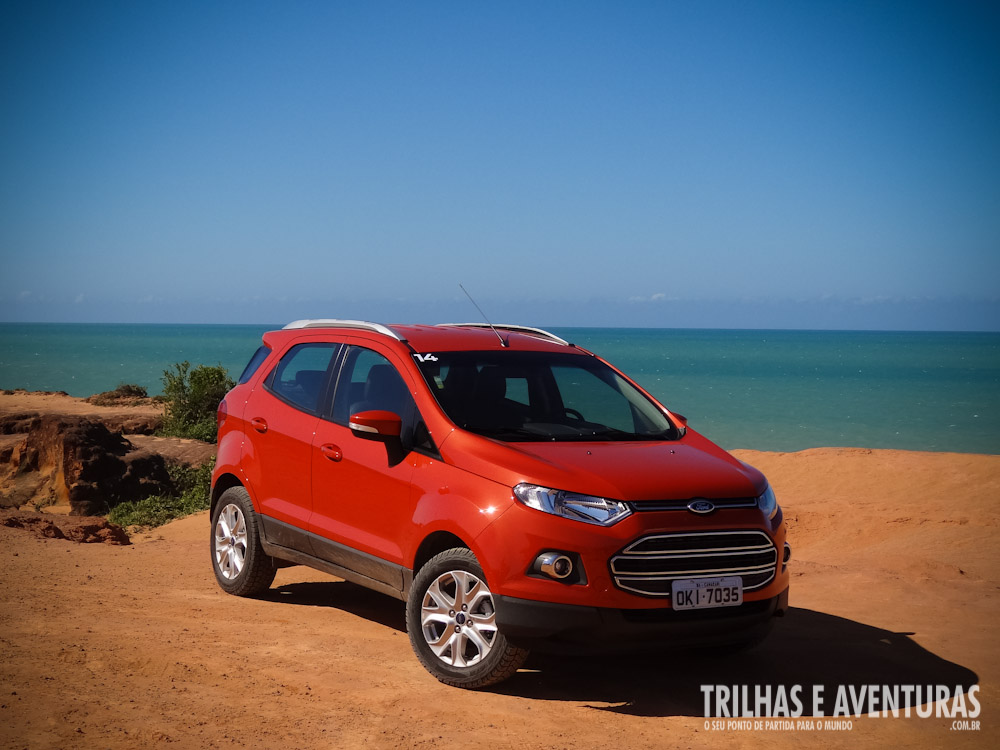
(502, 342)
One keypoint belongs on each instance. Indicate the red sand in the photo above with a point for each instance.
(895, 581)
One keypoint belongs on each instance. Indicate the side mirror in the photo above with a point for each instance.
(376, 425)
(682, 423)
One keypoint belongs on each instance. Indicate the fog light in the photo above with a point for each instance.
(788, 553)
(554, 565)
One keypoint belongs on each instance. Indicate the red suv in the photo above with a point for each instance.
(513, 489)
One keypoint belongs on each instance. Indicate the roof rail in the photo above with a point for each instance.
(512, 328)
(337, 323)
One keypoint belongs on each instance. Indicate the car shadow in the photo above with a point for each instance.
(345, 596)
(807, 648)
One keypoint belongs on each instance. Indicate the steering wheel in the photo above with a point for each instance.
(573, 413)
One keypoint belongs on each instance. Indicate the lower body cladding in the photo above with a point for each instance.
(646, 566)
(555, 627)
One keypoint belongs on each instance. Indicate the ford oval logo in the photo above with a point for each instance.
(700, 507)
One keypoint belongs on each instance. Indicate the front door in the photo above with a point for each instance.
(360, 487)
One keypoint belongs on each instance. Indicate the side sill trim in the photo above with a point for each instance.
(302, 558)
(290, 543)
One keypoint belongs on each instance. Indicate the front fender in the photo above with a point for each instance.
(458, 503)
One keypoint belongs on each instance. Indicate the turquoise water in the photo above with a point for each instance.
(790, 390)
(767, 390)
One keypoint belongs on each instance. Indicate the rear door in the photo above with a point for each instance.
(281, 419)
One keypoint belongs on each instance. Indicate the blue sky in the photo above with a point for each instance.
(696, 164)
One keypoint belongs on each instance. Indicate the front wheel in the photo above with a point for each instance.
(451, 621)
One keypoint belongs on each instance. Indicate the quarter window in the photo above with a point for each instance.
(255, 362)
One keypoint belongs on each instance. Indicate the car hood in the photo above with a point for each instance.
(662, 470)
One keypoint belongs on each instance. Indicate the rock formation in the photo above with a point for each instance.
(80, 529)
(74, 461)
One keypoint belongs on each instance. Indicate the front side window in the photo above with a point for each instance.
(300, 376)
(538, 396)
(370, 382)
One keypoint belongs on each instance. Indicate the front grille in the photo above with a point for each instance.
(649, 565)
(721, 503)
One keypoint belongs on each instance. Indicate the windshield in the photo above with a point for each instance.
(535, 396)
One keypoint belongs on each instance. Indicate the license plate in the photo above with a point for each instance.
(706, 593)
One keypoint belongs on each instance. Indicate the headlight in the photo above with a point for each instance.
(586, 508)
(768, 503)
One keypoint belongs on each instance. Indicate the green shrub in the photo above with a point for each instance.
(125, 393)
(129, 390)
(192, 397)
(192, 493)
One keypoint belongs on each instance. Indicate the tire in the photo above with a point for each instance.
(238, 560)
(450, 618)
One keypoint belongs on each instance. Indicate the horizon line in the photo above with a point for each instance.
(276, 326)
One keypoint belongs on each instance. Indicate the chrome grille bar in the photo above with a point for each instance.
(648, 565)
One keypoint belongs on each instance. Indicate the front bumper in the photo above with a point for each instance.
(605, 629)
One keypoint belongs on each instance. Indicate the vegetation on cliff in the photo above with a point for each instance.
(191, 494)
(192, 398)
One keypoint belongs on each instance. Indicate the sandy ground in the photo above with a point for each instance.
(895, 582)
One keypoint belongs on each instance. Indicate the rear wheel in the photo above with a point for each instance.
(451, 621)
(240, 564)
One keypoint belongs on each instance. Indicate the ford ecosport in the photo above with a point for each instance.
(513, 489)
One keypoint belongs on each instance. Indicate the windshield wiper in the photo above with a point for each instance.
(612, 433)
(525, 434)
(509, 433)
(606, 433)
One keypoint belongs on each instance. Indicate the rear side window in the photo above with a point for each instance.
(299, 378)
(254, 364)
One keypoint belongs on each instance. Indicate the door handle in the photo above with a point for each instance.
(259, 424)
(331, 451)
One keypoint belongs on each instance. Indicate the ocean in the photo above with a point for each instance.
(764, 390)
